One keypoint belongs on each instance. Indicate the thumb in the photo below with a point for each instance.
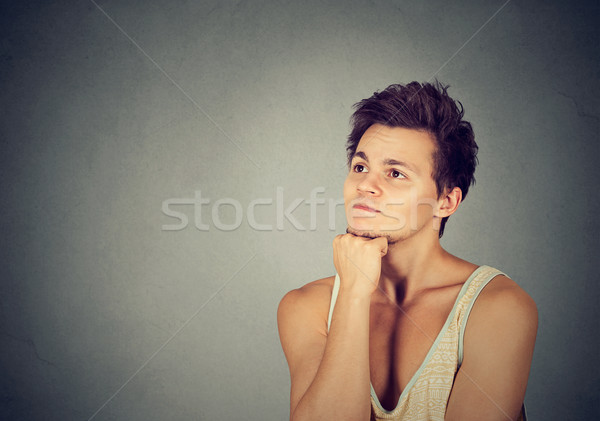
(382, 243)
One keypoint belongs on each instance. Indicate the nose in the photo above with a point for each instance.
(369, 184)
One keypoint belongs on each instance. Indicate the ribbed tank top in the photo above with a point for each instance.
(426, 395)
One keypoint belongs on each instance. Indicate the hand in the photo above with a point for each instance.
(358, 262)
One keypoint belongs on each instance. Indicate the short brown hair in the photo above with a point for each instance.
(425, 106)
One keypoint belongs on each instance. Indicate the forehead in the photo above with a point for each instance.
(414, 146)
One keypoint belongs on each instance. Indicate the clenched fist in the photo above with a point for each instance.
(358, 262)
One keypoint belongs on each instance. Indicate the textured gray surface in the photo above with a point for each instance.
(235, 99)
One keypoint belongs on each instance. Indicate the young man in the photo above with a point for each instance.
(387, 337)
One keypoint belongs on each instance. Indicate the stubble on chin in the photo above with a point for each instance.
(370, 234)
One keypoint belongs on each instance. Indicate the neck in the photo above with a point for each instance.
(411, 266)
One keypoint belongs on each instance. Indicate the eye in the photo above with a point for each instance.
(397, 174)
(359, 168)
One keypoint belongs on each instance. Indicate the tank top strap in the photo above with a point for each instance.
(334, 294)
(471, 291)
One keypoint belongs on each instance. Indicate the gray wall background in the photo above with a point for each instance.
(104, 315)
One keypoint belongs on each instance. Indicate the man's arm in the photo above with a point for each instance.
(330, 371)
(498, 349)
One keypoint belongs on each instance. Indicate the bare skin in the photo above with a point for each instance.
(398, 286)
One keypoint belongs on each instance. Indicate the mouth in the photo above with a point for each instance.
(365, 208)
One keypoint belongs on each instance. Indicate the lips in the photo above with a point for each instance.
(365, 208)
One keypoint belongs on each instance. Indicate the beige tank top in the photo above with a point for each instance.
(426, 395)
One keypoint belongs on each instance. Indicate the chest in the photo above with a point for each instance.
(400, 339)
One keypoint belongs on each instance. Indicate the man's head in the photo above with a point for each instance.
(427, 108)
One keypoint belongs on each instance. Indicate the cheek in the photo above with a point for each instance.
(412, 202)
(348, 189)
(427, 205)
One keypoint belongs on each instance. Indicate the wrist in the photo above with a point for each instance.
(356, 294)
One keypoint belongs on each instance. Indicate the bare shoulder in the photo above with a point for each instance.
(309, 304)
(503, 305)
(312, 294)
(503, 295)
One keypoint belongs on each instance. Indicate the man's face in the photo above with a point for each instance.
(389, 190)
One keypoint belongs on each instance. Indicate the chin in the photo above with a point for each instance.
(362, 233)
(362, 230)
(371, 234)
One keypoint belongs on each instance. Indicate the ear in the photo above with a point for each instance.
(449, 202)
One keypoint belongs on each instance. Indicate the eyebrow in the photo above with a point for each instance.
(387, 161)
